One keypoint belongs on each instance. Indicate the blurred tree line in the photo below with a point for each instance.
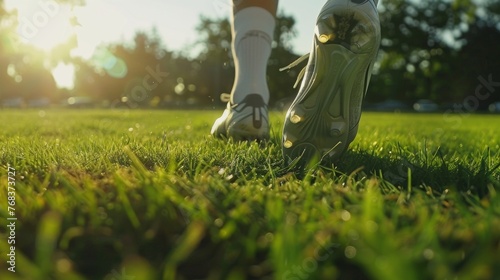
(438, 49)
(21, 76)
(442, 50)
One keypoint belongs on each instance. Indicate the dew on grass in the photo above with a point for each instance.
(63, 265)
(346, 216)
(219, 222)
(353, 235)
(428, 254)
(350, 252)
(263, 241)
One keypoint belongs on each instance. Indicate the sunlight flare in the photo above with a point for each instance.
(64, 75)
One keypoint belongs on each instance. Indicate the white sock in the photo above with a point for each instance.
(253, 32)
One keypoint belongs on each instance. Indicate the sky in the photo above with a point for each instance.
(45, 23)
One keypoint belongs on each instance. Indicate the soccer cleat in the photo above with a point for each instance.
(323, 119)
(247, 120)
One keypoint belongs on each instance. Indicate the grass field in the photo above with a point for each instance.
(138, 195)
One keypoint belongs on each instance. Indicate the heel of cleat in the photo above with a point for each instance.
(325, 30)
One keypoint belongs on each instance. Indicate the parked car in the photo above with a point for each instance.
(80, 102)
(425, 105)
(494, 107)
(39, 102)
(13, 103)
(389, 105)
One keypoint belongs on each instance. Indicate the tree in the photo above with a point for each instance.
(24, 70)
(7, 53)
(215, 72)
(481, 56)
(281, 83)
(127, 74)
(426, 46)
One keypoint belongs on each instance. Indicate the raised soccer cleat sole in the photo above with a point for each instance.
(323, 120)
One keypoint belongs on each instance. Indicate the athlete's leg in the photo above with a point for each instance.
(252, 24)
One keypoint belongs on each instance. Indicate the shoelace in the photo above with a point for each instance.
(294, 64)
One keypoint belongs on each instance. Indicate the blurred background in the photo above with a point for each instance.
(435, 55)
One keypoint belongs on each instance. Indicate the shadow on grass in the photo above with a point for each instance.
(436, 173)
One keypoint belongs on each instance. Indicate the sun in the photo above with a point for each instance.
(43, 24)
(63, 75)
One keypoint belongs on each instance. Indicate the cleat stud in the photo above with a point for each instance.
(324, 38)
(335, 133)
(295, 119)
(324, 32)
(337, 129)
(288, 144)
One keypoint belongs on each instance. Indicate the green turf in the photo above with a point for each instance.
(150, 195)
